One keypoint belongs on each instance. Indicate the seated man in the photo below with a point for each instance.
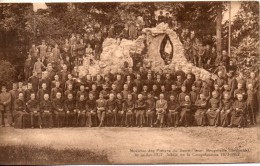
(201, 105)
(111, 111)
(59, 111)
(91, 111)
(150, 109)
(185, 115)
(161, 106)
(46, 112)
(226, 109)
(214, 110)
(173, 115)
(101, 109)
(120, 117)
(81, 109)
(140, 107)
(129, 109)
(20, 114)
(34, 110)
(70, 116)
(238, 112)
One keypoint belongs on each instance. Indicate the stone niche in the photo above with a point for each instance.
(161, 42)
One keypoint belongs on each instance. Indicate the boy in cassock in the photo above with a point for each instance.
(81, 109)
(101, 109)
(34, 110)
(200, 114)
(140, 107)
(91, 111)
(28, 92)
(59, 111)
(161, 107)
(82, 91)
(226, 109)
(55, 90)
(173, 114)
(150, 109)
(42, 92)
(238, 112)
(128, 106)
(71, 112)
(46, 112)
(214, 110)
(193, 94)
(183, 94)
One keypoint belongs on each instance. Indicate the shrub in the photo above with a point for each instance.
(7, 73)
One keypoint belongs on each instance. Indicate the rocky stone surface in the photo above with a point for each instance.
(116, 52)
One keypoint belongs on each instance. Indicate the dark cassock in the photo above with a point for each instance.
(140, 107)
(54, 91)
(238, 114)
(139, 84)
(81, 109)
(213, 112)
(120, 111)
(35, 82)
(41, 93)
(91, 113)
(119, 85)
(193, 96)
(150, 110)
(173, 114)
(111, 112)
(168, 83)
(225, 112)
(129, 109)
(46, 113)
(34, 111)
(59, 112)
(232, 83)
(185, 114)
(149, 83)
(21, 117)
(188, 84)
(71, 115)
(27, 94)
(200, 113)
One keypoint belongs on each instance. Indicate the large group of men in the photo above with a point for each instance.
(56, 96)
(127, 98)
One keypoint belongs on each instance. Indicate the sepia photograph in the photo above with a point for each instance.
(173, 82)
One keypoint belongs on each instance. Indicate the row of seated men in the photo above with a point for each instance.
(115, 111)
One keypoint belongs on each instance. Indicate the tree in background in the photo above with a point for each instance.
(7, 73)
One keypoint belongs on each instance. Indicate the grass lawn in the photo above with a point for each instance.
(21, 154)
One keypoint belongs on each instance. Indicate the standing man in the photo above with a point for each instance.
(43, 50)
(5, 106)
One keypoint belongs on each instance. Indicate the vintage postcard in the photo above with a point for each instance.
(129, 82)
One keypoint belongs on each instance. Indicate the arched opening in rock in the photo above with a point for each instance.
(166, 49)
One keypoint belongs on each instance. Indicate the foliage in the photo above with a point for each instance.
(245, 30)
(7, 73)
